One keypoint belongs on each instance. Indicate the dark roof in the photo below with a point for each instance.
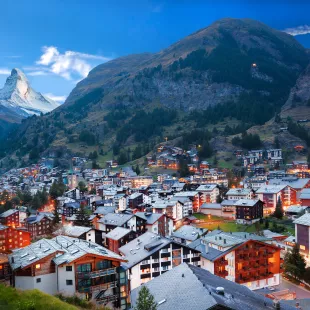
(188, 287)
(74, 205)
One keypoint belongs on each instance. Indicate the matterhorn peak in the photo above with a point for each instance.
(20, 98)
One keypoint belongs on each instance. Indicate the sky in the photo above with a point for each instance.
(56, 43)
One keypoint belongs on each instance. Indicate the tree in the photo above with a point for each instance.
(294, 263)
(137, 170)
(82, 217)
(278, 213)
(82, 186)
(266, 223)
(56, 218)
(57, 189)
(145, 300)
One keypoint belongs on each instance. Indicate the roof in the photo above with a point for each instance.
(150, 218)
(239, 191)
(116, 219)
(117, 233)
(174, 290)
(8, 213)
(209, 253)
(104, 210)
(211, 206)
(303, 220)
(139, 249)
(38, 217)
(206, 187)
(246, 202)
(295, 183)
(296, 209)
(73, 231)
(270, 234)
(305, 193)
(74, 205)
(270, 189)
(186, 194)
(188, 232)
(69, 248)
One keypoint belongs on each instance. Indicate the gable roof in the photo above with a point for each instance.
(8, 213)
(117, 233)
(150, 218)
(303, 220)
(188, 287)
(116, 219)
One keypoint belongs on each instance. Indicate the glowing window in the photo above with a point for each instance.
(38, 266)
(302, 247)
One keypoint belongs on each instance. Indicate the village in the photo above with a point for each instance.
(102, 233)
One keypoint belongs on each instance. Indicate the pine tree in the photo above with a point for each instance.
(82, 217)
(294, 263)
(137, 170)
(145, 300)
(278, 213)
(56, 218)
(266, 223)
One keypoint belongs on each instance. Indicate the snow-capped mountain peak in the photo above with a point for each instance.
(20, 98)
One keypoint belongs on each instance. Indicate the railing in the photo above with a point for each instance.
(96, 273)
(107, 299)
(96, 288)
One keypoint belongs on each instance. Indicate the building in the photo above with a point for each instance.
(39, 224)
(12, 238)
(305, 197)
(209, 193)
(193, 196)
(249, 211)
(72, 267)
(270, 194)
(5, 269)
(70, 208)
(244, 258)
(189, 287)
(130, 221)
(157, 223)
(187, 234)
(10, 218)
(212, 209)
(134, 200)
(302, 235)
(239, 193)
(151, 255)
(138, 181)
(118, 237)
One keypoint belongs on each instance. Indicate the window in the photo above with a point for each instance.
(38, 280)
(68, 268)
(69, 282)
(38, 266)
(302, 247)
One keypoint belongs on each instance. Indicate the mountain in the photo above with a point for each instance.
(19, 100)
(236, 72)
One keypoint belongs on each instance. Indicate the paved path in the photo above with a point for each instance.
(300, 291)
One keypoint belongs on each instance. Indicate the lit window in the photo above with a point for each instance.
(38, 266)
(302, 247)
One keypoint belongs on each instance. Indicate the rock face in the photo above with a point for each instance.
(214, 65)
(300, 93)
(19, 100)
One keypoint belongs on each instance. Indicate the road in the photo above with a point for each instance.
(300, 291)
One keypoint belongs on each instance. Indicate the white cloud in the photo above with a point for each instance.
(300, 30)
(55, 98)
(4, 71)
(69, 63)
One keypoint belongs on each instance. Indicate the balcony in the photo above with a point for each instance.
(107, 299)
(97, 288)
(222, 262)
(96, 273)
(222, 273)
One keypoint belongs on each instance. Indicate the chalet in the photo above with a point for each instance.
(39, 224)
(157, 223)
(5, 269)
(130, 221)
(118, 237)
(70, 208)
(13, 238)
(10, 218)
(151, 255)
(134, 200)
(302, 233)
(139, 181)
(243, 258)
(212, 209)
(249, 211)
(193, 196)
(305, 197)
(72, 267)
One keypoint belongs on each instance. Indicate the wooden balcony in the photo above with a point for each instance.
(223, 273)
(107, 299)
(96, 273)
(97, 288)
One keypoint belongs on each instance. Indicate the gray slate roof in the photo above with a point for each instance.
(104, 210)
(71, 249)
(188, 232)
(188, 287)
(118, 233)
(116, 219)
(8, 213)
(150, 218)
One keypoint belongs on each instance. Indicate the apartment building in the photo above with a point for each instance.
(151, 255)
(244, 258)
(71, 266)
(239, 193)
(302, 235)
(208, 193)
(39, 224)
(12, 238)
(10, 218)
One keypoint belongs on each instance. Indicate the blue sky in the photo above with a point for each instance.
(57, 42)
